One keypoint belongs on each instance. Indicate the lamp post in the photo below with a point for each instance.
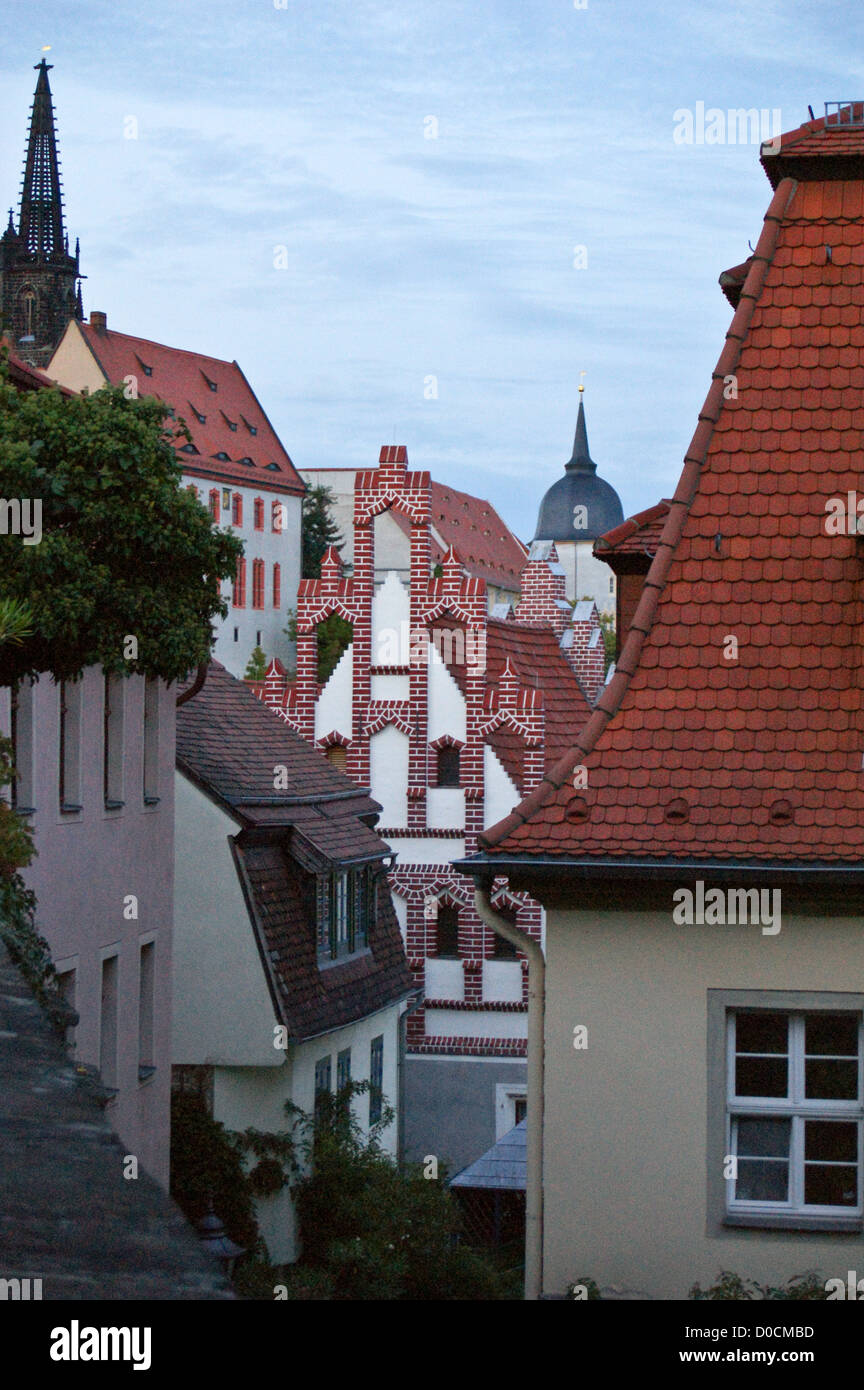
(211, 1233)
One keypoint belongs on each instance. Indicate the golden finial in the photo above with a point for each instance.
(581, 386)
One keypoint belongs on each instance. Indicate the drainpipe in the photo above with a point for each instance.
(536, 1013)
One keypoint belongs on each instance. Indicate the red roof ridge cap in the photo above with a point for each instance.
(151, 342)
(643, 619)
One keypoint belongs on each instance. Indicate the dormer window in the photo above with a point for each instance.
(148, 371)
(211, 385)
(253, 429)
(344, 907)
(250, 463)
(225, 458)
(188, 449)
(232, 424)
(202, 419)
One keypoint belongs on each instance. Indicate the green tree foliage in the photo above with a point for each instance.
(334, 635)
(319, 530)
(206, 1168)
(372, 1230)
(124, 550)
(809, 1287)
(256, 667)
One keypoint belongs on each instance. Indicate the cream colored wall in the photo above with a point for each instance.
(625, 1125)
(223, 1013)
(73, 364)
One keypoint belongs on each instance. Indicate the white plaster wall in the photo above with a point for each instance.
(254, 1097)
(334, 708)
(391, 617)
(454, 1023)
(400, 907)
(426, 851)
(445, 808)
(445, 979)
(585, 575)
(502, 981)
(390, 688)
(626, 1118)
(500, 795)
(446, 701)
(223, 1013)
(388, 774)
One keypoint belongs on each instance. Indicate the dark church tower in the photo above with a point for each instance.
(39, 280)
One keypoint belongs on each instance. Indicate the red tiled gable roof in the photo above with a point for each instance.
(690, 754)
(825, 148)
(539, 664)
(487, 548)
(638, 536)
(27, 378)
(181, 379)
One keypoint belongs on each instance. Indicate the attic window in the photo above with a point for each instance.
(273, 467)
(188, 449)
(226, 458)
(202, 419)
(212, 384)
(250, 463)
(148, 371)
(677, 812)
(253, 429)
(232, 424)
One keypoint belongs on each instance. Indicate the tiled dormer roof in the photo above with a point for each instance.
(693, 753)
(634, 543)
(229, 744)
(181, 379)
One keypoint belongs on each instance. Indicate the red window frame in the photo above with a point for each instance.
(214, 503)
(238, 597)
(257, 583)
(277, 585)
(259, 513)
(276, 518)
(237, 509)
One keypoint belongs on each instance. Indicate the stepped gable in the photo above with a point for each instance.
(229, 744)
(690, 754)
(194, 385)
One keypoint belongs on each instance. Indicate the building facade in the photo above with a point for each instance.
(449, 715)
(233, 461)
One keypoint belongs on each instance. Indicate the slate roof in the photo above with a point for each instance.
(538, 662)
(68, 1216)
(182, 379)
(229, 744)
(691, 755)
(504, 1166)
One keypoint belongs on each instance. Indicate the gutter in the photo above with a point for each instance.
(536, 1059)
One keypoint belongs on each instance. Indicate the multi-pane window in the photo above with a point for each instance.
(237, 509)
(794, 1112)
(238, 597)
(112, 741)
(69, 746)
(257, 583)
(214, 503)
(344, 905)
(277, 585)
(376, 1078)
(447, 932)
(258, 509)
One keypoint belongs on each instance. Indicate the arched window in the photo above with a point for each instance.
(447, 932)
(239, 596)
(448, 766)
(257, 583)
(277, 585)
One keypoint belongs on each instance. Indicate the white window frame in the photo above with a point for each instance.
(796, 1107)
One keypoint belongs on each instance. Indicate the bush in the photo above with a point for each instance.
(809, 1286)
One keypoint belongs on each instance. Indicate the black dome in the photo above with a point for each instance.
(580, 487)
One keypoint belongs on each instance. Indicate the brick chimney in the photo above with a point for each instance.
(98, 320)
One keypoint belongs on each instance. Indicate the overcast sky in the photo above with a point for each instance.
(284, 205)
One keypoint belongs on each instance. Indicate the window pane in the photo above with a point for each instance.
(831, 1080)
(763, 1137)
(826, 1139)
(762, 1180)
(762, 1032)
(761, 1076)
(835, 1186)
(833, 1035)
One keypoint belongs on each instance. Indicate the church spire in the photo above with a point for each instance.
(40, 225)
(581, 460)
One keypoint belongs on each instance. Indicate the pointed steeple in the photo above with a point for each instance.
(40, 225)
(581, 460)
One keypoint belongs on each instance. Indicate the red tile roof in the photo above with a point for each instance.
(487, 548)
(538, 663)
(185, 381)
(691, 754)
(638, 536)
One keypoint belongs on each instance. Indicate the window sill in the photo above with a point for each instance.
(69, 808)
(327, 962)
(152, 800)
(146, 1074)
(793, 1221)
(111, 805)
(25, 810)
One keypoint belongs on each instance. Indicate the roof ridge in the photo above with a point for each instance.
(613, 694)
(151, 342)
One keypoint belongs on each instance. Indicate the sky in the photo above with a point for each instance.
(419, 223)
